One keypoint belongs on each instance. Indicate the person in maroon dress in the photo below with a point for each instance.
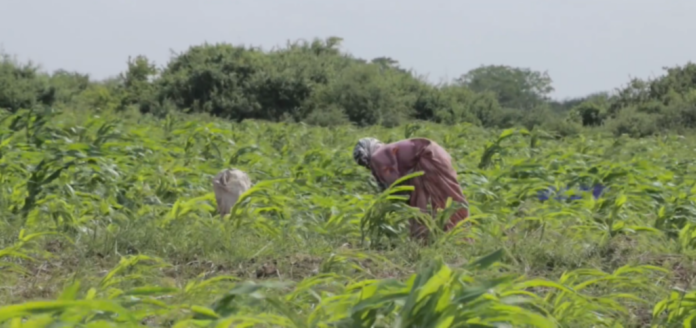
(389, 162)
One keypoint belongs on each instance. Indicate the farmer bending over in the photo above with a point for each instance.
(389, 162)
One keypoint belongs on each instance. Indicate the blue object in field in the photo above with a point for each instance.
(596, 192)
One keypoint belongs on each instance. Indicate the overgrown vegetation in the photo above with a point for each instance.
(108, 215)
(133, 237)
(316, 83)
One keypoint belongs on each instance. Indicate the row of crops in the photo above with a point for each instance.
(110, 220)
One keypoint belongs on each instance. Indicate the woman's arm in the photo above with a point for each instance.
(382, 186)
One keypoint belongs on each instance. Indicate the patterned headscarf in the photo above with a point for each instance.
(364, 149)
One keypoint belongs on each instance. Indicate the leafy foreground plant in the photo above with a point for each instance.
(437, 296)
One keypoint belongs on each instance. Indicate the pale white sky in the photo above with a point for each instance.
(585, 45)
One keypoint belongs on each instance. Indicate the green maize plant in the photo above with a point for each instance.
(110, 220)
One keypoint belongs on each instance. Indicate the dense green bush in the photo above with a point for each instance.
(316, 83)
(22, 85)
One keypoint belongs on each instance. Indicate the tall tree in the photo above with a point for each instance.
(515, 87)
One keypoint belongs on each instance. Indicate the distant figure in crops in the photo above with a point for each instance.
(228, 185)
(389, 162)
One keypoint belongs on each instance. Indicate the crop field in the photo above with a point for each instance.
(110, 220)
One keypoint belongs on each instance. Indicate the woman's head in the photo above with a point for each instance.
(363, 150)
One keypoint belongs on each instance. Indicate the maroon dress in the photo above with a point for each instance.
(439, 181)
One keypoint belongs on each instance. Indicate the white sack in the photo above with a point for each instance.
(228, 185)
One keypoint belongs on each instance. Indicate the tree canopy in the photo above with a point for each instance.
(316, 83)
